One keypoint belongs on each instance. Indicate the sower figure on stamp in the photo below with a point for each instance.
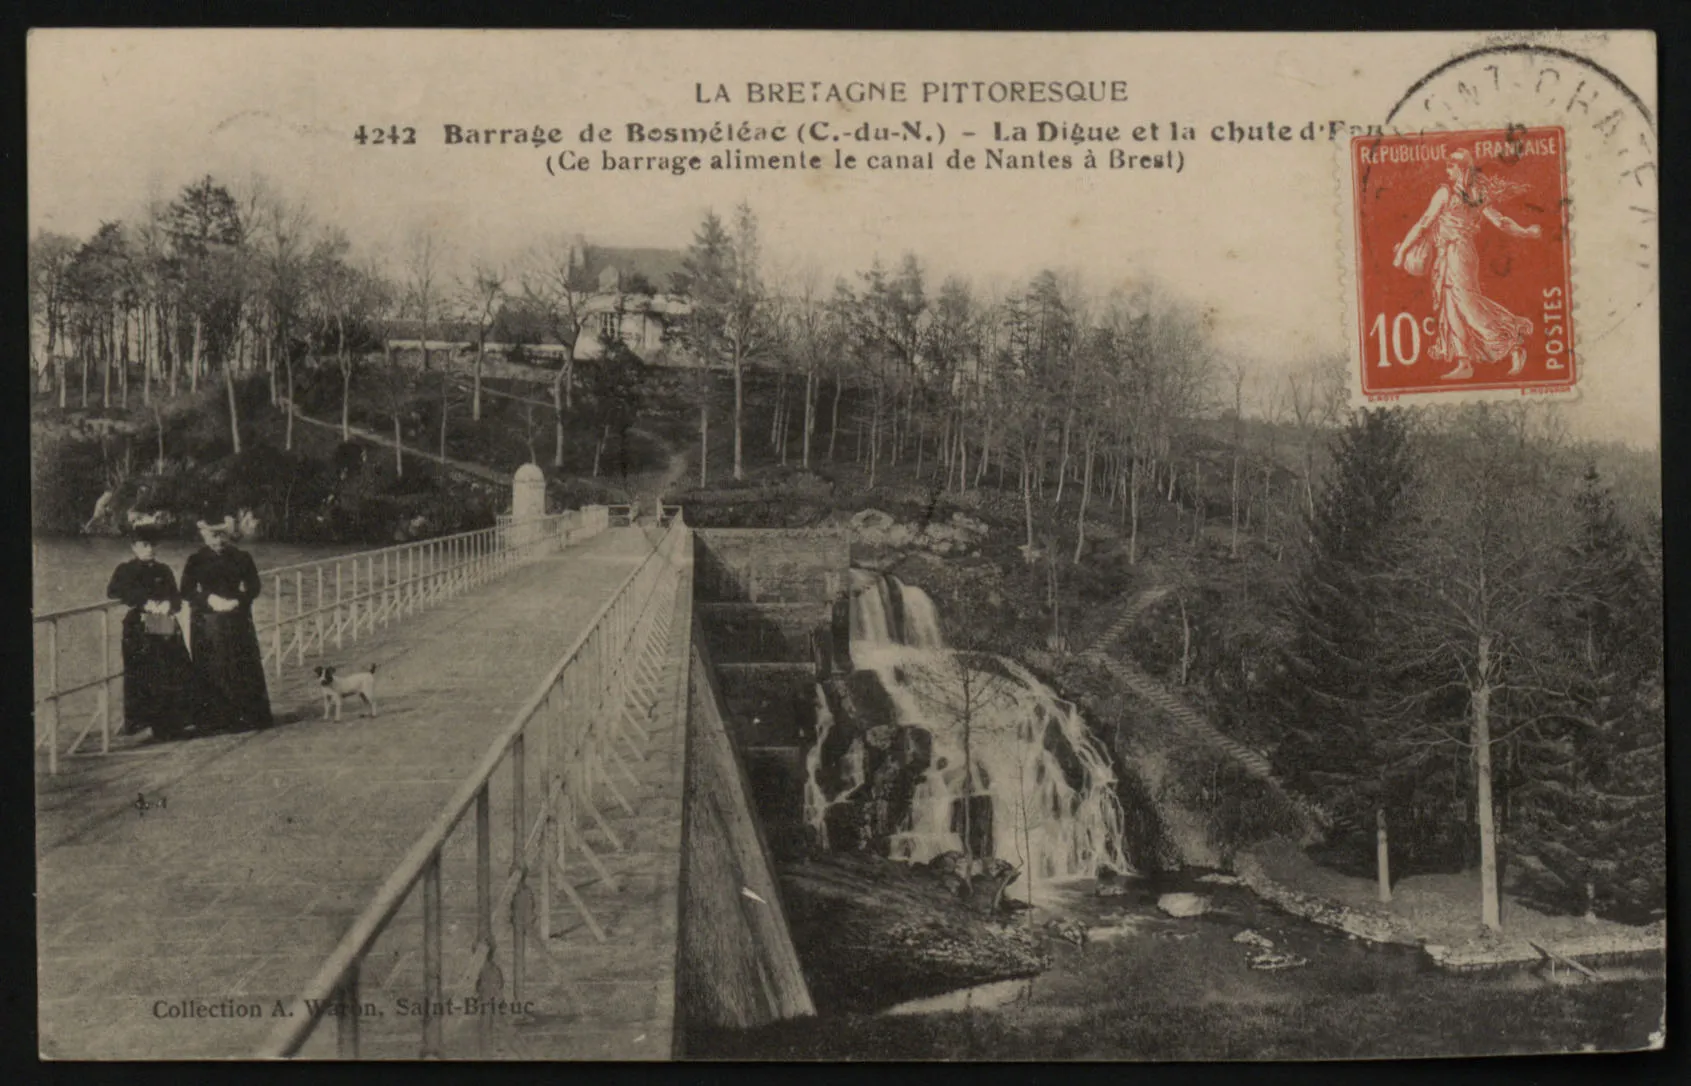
(157, 674)
(220, 582)
(1471, 327)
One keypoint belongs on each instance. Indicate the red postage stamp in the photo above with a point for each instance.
(1463, 277)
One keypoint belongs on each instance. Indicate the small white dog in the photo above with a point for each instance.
(337, 688)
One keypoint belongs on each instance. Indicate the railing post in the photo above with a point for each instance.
(53, 696)
(548, 804)
(519, 778)
(299, 617)
(484, 869)
(346, 1027)
(339, 624)
(387, 590)
(105, 680)
(352, 603)
(432, 959)
(317, 612)
(276, 613)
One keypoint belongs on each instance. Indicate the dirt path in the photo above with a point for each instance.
(464, 467)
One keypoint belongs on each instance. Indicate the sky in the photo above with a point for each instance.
(1251, 232)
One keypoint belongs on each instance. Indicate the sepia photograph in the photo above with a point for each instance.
(816, 546)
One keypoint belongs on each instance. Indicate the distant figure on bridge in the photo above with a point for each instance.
(220, 582)
(157, 674)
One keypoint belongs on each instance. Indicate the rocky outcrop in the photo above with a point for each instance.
(959, 534)
(872, 932)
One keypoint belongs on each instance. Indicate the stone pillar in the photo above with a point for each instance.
(528, 505)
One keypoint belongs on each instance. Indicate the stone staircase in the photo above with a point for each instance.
(1191, 722)
(1125, 620)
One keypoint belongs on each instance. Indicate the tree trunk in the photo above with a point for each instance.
(1063, 456)
(173, 347)
(158, 426)
(445, 408)
(194, 355)
(106, 351)
(809, 414)
(786, 412)
(558, 420)
(398, 447)
(1085, 494)
(1233, 544)
(875, 438)
(704, 443)
(599, 447)
(147, 346)
(962, 456)
(234, 420)
(123, 368)
(1382, 859)
(834, 422)
(1027, 495)
(346, 396)
(1185, 643)
(739, 410)
(475, 391)
(1133, 511)
(1489, 913)
(288, 426)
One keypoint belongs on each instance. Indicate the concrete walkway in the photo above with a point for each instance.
(154, 927)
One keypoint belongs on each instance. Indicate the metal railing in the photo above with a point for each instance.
(566, 749)
(622, 516)
(304, 609)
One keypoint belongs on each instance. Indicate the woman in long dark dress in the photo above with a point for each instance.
(157, 674)
(220, 582)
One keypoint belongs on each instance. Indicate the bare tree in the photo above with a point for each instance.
(479, 297)
(1463, 611)
(554, 283)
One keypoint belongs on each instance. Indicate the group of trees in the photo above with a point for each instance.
(232, 281)
(1477, 646)
(1044, 379)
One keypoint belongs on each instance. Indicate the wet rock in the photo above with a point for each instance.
(1251, 938)
(871, 932)
(1069, 931)
(1274, 961)
(1183, 905)
(1220, 880)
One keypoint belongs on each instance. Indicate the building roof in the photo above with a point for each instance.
(657, 266)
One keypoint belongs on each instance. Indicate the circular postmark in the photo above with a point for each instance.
(1611, 161)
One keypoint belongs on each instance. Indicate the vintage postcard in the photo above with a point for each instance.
(576, 545)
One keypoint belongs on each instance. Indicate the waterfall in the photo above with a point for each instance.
(921, 619)
(1006, 757)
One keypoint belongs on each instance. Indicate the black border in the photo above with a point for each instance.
(1669, 20)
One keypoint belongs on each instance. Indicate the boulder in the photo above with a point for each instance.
(1183, 905)
(1251, 938)
(871, 520)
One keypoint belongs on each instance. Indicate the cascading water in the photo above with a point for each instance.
(1006, 762)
